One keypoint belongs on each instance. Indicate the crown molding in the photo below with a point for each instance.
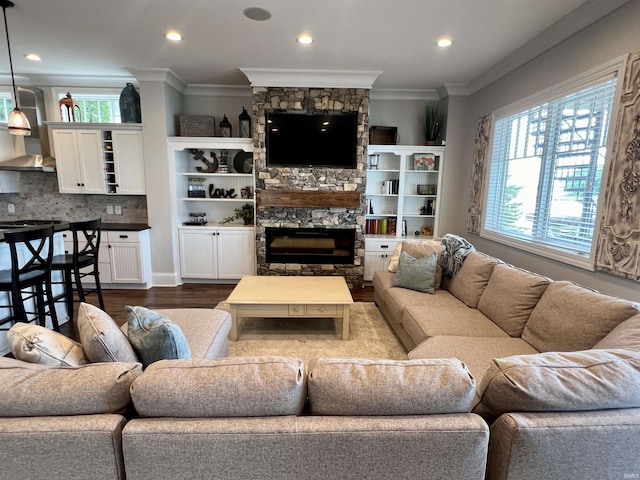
(164, 75)
(218, 90)
(89, 81)
(268, 77)
(400, 94)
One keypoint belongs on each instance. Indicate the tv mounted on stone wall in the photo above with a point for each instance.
(311, 139)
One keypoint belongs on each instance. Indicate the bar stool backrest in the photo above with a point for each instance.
(87, 234)
(39, 245)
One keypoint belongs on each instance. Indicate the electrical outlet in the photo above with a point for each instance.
(118, 210)
(109, 209)
(11, 208)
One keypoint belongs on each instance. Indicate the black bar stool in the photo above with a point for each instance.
(82, 262)
(30, 277)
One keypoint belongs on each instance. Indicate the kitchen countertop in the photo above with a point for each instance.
(62, 226)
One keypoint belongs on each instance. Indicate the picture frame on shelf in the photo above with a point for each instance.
(425, 161)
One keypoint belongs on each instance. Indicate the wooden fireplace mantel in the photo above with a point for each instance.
(306, 199)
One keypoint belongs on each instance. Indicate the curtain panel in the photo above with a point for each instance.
(618, 247)
(480, 156)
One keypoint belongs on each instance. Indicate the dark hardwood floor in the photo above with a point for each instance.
(190, 295)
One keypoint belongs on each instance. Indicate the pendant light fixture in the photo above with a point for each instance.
(17, 122)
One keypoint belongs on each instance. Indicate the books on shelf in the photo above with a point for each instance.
(380, 226)
(390, 187)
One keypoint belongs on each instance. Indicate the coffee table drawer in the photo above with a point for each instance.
(321, 310)
(313, 310)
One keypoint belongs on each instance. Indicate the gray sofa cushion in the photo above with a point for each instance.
(475, 352)
(510, 297)
(570, 317)
(553, 381)
(472, 278)
(422, 323)
(625, 335)
(226, 387)
(32, 390)
(358, 386)
(397, 299)
(101, 338)
(36, 344)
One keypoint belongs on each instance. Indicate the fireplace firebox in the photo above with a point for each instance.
(310, 245)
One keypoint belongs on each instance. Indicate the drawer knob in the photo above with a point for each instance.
(321, 309)
(295, 309)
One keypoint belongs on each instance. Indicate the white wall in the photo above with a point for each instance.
(608, 39)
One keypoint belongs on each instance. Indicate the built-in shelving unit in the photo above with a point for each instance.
(404, 190)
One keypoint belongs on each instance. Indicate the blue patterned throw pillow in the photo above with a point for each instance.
(154, 337)
(416, 274)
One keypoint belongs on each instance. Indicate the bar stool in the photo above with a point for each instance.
(29, 278)
(82, 262)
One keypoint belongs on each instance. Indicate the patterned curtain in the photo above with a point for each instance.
(618, 250)
(480, 154)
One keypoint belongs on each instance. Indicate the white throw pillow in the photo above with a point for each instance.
(36, 344)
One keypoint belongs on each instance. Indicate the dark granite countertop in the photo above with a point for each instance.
(119, 227)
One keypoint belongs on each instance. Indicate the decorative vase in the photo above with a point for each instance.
(130, 105)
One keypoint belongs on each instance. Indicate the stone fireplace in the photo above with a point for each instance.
(310, 198)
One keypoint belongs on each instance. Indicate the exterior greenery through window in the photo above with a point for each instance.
(546, 170)
(98, 108)
(6, 105)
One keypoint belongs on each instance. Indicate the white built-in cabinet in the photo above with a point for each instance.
(377, 254)
(213, 251)
(124, 258)
(217, 253)
(99, 158)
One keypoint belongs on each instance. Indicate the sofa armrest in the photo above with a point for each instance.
(585, 445)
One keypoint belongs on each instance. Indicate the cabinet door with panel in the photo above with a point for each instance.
(128, 162)
(236, 252)
(198, 253)
(377, 255)
(79, 161)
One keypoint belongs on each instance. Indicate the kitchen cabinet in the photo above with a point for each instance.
(124, 258)
(99, 158)
(377, 254)
(79, 164)
(225, 253)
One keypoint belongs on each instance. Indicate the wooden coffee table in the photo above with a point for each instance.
(287, 297)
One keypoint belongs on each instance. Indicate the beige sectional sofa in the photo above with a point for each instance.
(557, 365)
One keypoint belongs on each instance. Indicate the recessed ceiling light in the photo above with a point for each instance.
(34, 57)
(256, 13)
(173, 35)
(444, 42)
(305, 39)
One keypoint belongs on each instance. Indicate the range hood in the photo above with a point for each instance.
(37, 156)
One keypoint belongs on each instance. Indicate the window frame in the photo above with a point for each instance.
(611, 69)
(58, 92)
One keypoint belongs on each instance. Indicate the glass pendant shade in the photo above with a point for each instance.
(18, 124)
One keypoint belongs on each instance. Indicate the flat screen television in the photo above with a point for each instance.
(318, 139)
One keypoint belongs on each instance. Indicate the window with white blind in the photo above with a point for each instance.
(546, 167)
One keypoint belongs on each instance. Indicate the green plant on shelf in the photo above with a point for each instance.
(245, 213)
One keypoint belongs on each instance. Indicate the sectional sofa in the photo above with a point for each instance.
(506, 408)
(557, 364)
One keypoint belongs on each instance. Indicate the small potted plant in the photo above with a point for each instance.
(245, 213)
(433, 123)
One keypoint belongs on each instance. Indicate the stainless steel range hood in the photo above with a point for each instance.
(37, 156)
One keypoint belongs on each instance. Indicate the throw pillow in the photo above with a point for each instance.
(395, 256)
(154, 337)
(101, 338)
(416, 274)
(36, 344)
(556, 382)
(422, 249)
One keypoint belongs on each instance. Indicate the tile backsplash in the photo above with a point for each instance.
(40, 199)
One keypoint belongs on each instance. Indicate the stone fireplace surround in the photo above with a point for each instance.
(341, 214)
